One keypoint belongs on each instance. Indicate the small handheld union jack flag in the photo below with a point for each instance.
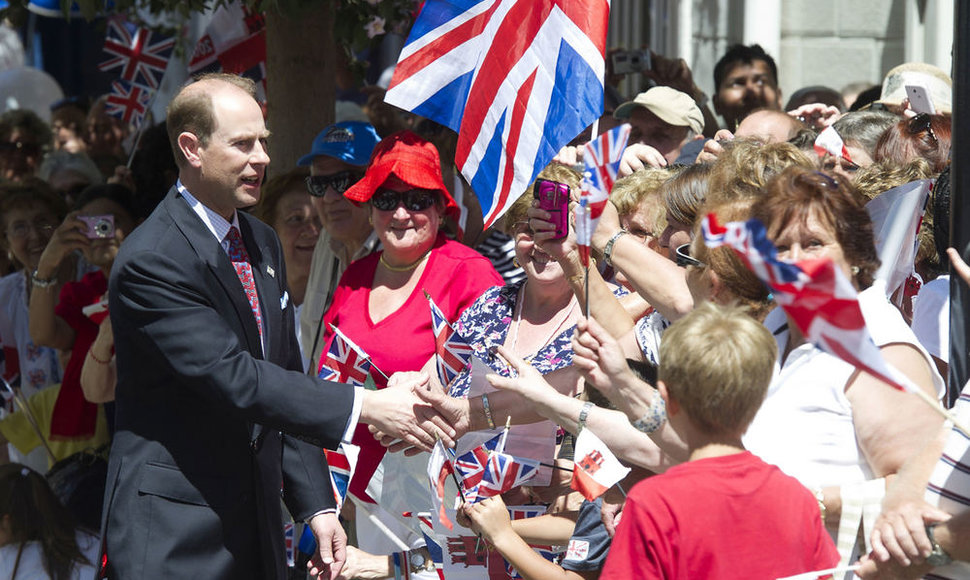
(345, 361)
(814, 293)
(470, 466)
(342, 463)
(139, 55)
(504, 472)
(602, 159)
(128, 102)
(452, 351)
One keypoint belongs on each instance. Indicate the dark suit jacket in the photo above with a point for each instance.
(198, 456)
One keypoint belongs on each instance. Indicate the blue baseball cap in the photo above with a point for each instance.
(349, 141)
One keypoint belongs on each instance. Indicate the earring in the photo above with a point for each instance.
(854, 270)
(515, 262)
(370, 220)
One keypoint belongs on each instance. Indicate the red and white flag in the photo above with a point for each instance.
(440, 470)
(829, 141)
(896, 216)
(596, 469)
(234, 42)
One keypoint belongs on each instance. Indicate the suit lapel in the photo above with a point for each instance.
(211, 253)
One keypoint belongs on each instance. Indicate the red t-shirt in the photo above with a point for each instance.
(455, 276)
(73, 416)
(722, 517)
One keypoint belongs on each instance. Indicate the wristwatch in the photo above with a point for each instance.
(418, 561)
(938, 557)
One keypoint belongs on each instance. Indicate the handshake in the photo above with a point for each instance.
(412, 413)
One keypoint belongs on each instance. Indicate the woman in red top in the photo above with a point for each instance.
(380, 301)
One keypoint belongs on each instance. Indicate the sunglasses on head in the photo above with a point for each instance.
(684, 258)
(413, 200)
(920, 123)
(340, 182)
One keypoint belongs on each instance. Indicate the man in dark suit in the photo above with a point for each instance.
(210, 393)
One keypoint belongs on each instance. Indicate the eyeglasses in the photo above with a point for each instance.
(684, 258)
(20, 230)
(340, 182)
(413, 200)
(920, 123)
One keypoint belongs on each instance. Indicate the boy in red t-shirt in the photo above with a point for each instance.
(725, 513)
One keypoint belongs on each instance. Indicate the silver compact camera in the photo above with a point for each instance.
(98, 226)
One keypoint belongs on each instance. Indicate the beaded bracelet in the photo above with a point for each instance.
(655, 416)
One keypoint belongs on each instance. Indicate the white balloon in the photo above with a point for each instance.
(29, 88)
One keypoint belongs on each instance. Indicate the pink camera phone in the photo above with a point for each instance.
(553, 197)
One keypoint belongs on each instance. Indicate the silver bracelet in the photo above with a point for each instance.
(583, 413)
(608, 249)
(655, 416)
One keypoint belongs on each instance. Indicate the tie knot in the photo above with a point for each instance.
(236, 248)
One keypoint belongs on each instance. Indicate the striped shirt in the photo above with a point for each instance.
(949, 486)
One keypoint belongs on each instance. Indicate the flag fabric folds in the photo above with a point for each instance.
(440, 468)
(504, 472)
(602, 159)
(829, 141)
(234, 42)
(139, 55)
(516, 79)
(452, 351)
(128, 102)
(345, 361)
(897, 215)
(471, 467)
(596, 469)
(814, 293)
(342, 463)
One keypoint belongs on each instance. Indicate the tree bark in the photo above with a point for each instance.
(300, 68)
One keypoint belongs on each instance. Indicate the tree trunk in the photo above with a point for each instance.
(300, 68)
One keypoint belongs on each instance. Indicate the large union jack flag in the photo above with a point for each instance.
(345, 361)
(602, 159)
(128, 102)
(139, 55)
(516, 79)
(814, 293)
(452, 351)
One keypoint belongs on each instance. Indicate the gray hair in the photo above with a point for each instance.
(57, 161)
(863, 128)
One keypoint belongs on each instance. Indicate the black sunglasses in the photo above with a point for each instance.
(413, 200)
(920, 123)
(684, 258)
(340, 182)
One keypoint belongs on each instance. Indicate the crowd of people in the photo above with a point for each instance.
(187, 314)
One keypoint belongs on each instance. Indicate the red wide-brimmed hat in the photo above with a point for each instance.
(411, 159)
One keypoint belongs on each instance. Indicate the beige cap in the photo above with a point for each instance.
(671, 105)
(937, 83)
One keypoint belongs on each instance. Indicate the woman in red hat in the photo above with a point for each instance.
(380, 302)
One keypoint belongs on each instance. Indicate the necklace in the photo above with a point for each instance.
(406, 268)
(517, 320)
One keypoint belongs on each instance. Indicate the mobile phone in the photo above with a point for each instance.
(553, 197)
(919, 99)
(98, 226)
(631, 61)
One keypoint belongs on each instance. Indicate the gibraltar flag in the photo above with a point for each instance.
(596, 469)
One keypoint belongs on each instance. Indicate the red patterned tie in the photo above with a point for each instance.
(240, 261)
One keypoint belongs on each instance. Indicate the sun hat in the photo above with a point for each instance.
(411, 159)
(349, 141)
(672, 106)
(938, 84)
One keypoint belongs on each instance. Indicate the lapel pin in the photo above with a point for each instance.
(270, 271)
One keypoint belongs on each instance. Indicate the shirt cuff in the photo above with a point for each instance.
(320, 513)
(354, 414)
